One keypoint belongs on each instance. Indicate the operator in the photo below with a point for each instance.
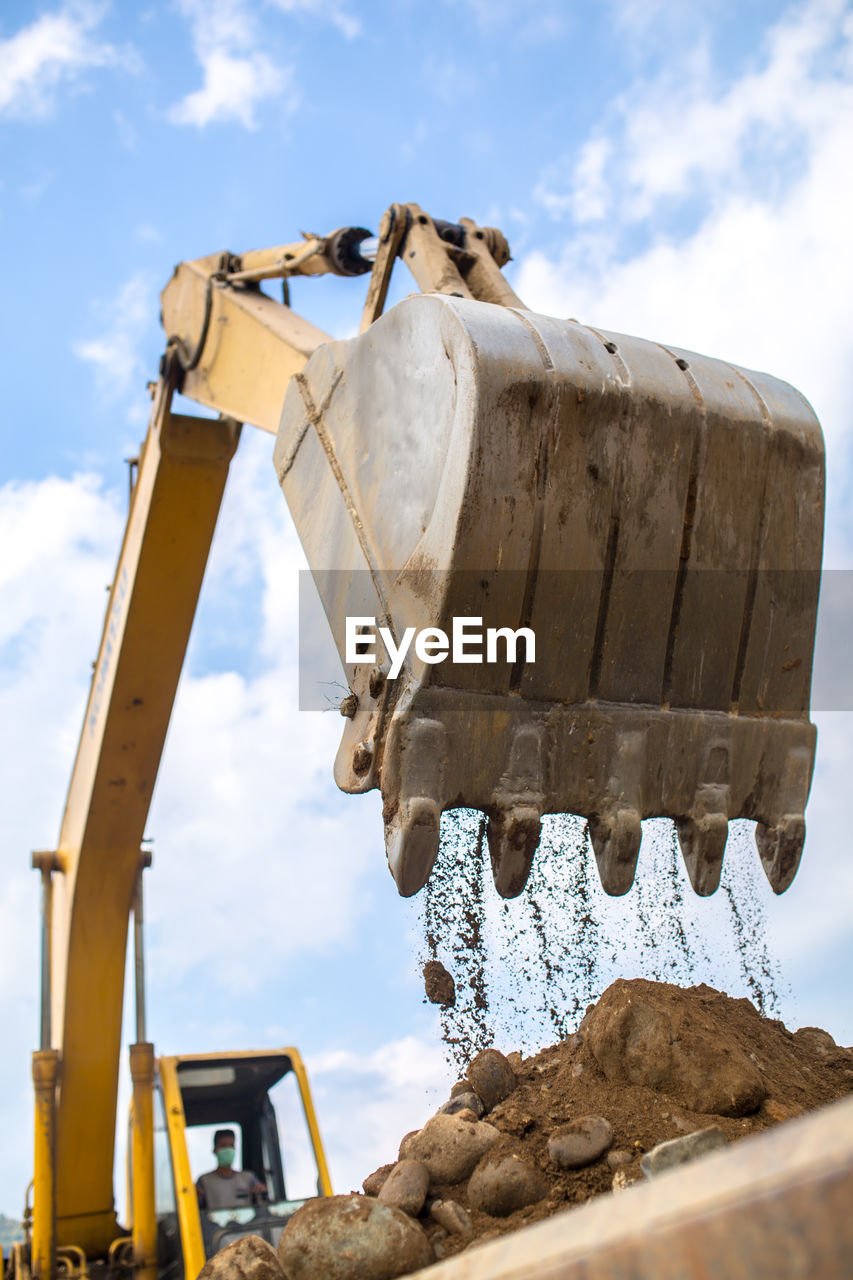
(225, 1187)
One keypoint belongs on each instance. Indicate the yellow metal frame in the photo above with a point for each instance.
(143, 1207)
(189, 1218)
(45, 1071)
(311, 1120)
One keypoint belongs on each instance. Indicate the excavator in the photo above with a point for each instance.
(651, 517)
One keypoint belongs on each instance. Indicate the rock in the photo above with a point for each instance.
(778, 1112)
(450, 1147)
(639, 1035)
(515, 1060)
(491, 1077)
(406, 1187)
(404, 1143)
(575, 1041)
(441, 1244)
(516, 1121)
(580, 1143)
(467, 1101)
(461, 1086)
(467, 1114)
(616, 1159)
(625, 1177)
(450, 1215)
(666, 1155)
(815, 1039)
(577, 1070)
(499, 1187)
(351, 1238)
(682, 1123)
(374, 1182)
(250, 1258)
(438, 984)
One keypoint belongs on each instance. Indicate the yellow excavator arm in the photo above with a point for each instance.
(233, 348)
(654, 517)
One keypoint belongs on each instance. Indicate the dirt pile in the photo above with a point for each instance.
(521, 1139)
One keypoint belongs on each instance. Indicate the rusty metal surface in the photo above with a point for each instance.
(654, 516)
(772, 1207)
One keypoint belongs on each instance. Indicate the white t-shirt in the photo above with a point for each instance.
(227, 1193)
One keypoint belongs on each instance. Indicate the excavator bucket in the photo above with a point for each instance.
(653, 517)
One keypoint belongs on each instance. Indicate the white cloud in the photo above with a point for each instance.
(588, 197)
(115, 353)
(531, 24)
(233, 87)
(52, 592)
(740, 132)
(324, 10)
(64, 534)
(230, 42)
(686, 133)
(367, 1102)
(51, 52)
(447, 81)
(238, 74)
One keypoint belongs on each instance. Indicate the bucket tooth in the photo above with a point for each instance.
(513, 836)
(413, 803)
(780, 849)
(515, 815)
(616, 844)
(411, 843)
(703, 845)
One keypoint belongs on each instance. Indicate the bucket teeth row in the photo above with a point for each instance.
(613, 766)
(412, 835)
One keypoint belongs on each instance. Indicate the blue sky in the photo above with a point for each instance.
(677, 171)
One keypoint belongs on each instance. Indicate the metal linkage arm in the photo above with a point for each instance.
(457, 258)
(237, 348)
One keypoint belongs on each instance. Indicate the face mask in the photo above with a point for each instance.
(225, 1157)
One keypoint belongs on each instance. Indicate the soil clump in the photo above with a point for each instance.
(439, 986)
(649, 1063)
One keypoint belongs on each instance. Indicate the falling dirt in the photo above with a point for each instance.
(524, 970)
(454, 919)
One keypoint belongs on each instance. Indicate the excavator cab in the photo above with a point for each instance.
(198, 1093)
